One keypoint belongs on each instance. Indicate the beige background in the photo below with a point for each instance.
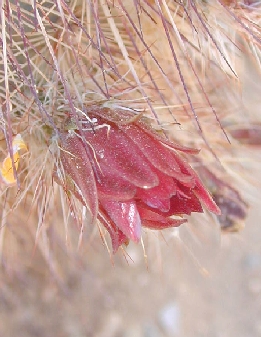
(196, 287)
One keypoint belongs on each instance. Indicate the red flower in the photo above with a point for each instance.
(128, 175)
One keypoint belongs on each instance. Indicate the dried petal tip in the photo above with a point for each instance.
(233, 208)
(10, 164)
(135, 176)
(248, 135)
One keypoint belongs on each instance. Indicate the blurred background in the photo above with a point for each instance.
(180, 288)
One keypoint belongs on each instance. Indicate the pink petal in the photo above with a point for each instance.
(114, 151)
(77, 166)
(125, 216)
(160, 156)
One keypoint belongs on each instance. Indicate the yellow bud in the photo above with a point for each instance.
(7, 169)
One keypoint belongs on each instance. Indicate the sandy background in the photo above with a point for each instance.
(201, 285)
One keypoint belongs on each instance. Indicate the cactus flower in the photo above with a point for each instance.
(128, 175)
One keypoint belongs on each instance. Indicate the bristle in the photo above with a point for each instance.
(177, 63)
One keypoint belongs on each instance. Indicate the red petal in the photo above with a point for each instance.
(115, 188)
(160, 225)
(159, 196)
(161, 204)
(115, 116)
(117, 237)
(160, 156)
(154, 220)
(199, 189)
(77, 166)
(180, 205)
(205, 198)
(125, 216)
(165, 141)
(123, 117)
(114, 151)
